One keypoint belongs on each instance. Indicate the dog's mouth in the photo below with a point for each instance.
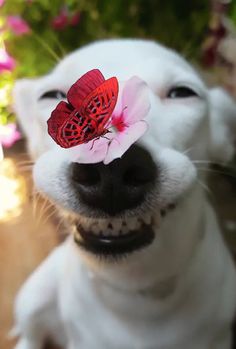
(118, 236)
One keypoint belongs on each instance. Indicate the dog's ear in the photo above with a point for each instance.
(222, 125)
(24, 107)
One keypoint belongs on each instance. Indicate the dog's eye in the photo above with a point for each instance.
(181, 92)
(53, 94)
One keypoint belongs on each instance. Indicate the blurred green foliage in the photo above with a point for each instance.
(233, 11)
(179, 24)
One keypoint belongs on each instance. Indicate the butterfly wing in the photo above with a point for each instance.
(99, 104)
(58, 118)
(82, 88)
(78, 129)
(80, 125)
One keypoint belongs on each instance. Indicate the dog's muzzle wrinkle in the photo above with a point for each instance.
(119, 186)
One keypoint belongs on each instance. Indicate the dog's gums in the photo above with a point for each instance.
(118, 236)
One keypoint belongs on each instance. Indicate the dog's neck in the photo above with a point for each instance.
(121, 286)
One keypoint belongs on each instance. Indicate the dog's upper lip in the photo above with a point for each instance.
(115, 245)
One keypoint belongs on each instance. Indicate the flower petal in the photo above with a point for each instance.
(91, 152)
(75, 19)
(122, 141)
(119, 106)
(9, 135)
(135, 100)
(61, 20)
(6, 61)
(18, 25)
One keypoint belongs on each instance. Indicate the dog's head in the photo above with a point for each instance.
(147, 205)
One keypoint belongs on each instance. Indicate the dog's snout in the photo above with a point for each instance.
(121, 185)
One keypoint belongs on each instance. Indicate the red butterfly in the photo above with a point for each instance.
(92, 100)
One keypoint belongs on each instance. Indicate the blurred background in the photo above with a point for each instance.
(34, 36)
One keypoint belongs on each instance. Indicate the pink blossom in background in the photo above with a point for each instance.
(6, 61)
(9, 135)
(125, 127)
(75, 19)
(61, 21)
(2, 3)
(65, 19)
(18, 25)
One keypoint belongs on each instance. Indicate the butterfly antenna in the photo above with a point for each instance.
(93, 143)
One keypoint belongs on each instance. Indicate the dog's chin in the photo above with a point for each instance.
(118, 237)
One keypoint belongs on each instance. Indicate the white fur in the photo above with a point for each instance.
(177, 293)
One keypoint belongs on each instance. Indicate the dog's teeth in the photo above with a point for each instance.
(132, 223)
(116, 227)
(124, 230)
(109, 230)
(116, 223)
(103, 224)
(147, 218)
(89, 223)
(95, 229)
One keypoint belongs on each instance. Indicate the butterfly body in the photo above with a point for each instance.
(80, 128)
(92, 100)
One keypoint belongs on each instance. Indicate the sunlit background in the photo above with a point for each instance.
(34, 36)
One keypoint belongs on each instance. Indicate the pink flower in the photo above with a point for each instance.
(2, 3)
(61, 21)
(9, 135)
(75, 19)
(126, 126)
(6, 61)
(65, 19)
(18, 25)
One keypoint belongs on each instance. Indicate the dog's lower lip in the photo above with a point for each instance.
(115, 245)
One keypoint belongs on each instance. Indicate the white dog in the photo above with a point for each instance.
(145, 265)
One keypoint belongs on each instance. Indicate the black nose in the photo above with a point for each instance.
(121, 185)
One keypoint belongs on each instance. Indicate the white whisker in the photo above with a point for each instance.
(204, 186)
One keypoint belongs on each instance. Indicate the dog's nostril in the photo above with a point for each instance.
(86, 175)
(123, 184)
(136, 176)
